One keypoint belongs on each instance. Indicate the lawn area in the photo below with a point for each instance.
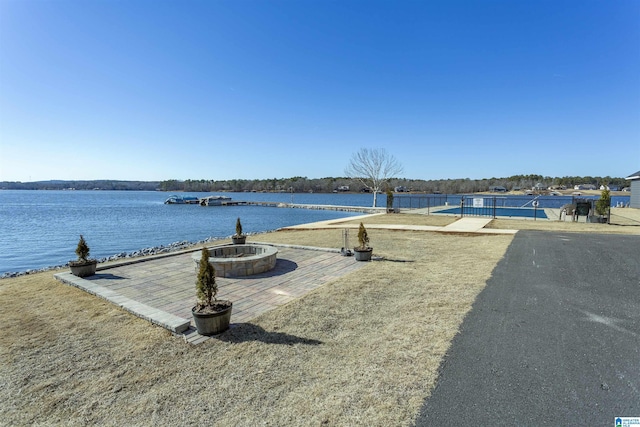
(362, 350)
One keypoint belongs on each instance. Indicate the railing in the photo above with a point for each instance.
(423, 201)
(510, 205)
(495, 206)
(420, 201)
(485, 206)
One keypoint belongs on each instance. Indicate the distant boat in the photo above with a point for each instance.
(181, 200)
(214, 200)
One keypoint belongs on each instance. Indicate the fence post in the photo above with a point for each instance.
(461, 206)
(494, 207)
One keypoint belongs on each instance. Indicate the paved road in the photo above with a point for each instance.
(554, 338)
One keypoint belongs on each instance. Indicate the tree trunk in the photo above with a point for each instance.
(375, 198)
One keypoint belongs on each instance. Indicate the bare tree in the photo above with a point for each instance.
(373, 168)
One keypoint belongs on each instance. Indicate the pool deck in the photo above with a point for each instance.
(161, 289)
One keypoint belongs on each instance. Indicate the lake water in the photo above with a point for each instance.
(39, 229)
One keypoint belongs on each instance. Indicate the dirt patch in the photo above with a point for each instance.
(362, 350)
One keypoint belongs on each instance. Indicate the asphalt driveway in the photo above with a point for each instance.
(554, 338)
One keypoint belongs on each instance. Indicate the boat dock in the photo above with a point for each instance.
(363, 209)
(212, 201)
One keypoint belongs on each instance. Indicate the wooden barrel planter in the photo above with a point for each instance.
(212, 323)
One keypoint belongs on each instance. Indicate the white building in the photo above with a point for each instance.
(635, 189)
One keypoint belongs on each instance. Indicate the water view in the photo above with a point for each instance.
(39, 229)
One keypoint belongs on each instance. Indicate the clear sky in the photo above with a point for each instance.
(155, 90)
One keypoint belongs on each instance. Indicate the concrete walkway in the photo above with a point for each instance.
(462, 225)
(161, 289)
(468, 225)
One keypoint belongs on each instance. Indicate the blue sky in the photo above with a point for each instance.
(155, 90)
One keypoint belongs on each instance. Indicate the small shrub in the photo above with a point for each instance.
(603, 203)
(389, 199)
(363, 237)
(82, 250)
(206, 285)
(238, 227)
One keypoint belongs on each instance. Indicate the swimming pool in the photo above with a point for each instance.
(489, 211)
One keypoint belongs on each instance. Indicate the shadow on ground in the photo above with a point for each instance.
(283, 266)
(395, 260)
(244, 332)
(106, 276)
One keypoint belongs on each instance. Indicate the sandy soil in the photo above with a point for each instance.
(362, 350)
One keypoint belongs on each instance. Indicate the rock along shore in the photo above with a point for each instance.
(156, 250)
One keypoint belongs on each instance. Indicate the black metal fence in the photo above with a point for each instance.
(486, 206)
(498, 206)
(423, 201)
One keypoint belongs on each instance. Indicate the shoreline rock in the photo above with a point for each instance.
(155, 250)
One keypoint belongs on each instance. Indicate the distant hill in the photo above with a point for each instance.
(81, 185)
(328, 185)
(300, 184)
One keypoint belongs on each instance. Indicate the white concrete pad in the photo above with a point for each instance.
(470, 225)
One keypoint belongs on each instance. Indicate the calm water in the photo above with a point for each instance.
(41, 228)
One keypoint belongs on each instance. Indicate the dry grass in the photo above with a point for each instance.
(405, 219)
(362, 350)
(623, 221)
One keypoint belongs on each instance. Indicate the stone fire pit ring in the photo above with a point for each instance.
(239, 260)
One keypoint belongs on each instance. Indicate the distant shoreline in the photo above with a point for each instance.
(409, 193)
(515, 184)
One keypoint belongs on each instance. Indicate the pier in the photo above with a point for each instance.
(363, 209)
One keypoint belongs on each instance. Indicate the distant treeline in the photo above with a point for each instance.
(81, 185)
(328, 185)
(300, 184)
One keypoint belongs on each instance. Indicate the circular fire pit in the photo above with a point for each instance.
(240, 260)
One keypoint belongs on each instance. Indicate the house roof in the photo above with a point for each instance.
(634, 176)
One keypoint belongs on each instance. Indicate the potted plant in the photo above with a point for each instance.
(239, 238)
(390, 201)
(363, 252)
(603, 206)
(83, 266)
(210, 315)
